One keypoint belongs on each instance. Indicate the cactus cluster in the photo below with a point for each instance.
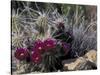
(45, 34)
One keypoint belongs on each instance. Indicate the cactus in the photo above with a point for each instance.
(43, 35)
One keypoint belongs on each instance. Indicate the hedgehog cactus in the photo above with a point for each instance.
(21, 54)
(43, 38)
(44, 49)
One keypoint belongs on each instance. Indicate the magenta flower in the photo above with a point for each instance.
(49, 43)
(38, 45)
(21, 53)
(66, 47)
(36, 57)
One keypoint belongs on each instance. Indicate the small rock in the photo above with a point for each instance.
(86, 62)
(74, 65)
(91, 56)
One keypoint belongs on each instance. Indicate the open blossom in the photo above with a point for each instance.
(36, 57)
(39, 45)
(21, 53)
(49, 43)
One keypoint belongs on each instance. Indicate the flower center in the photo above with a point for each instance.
(39, 48)
(32, 52)
(21, 54)
(37, 58)
(48, 44)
